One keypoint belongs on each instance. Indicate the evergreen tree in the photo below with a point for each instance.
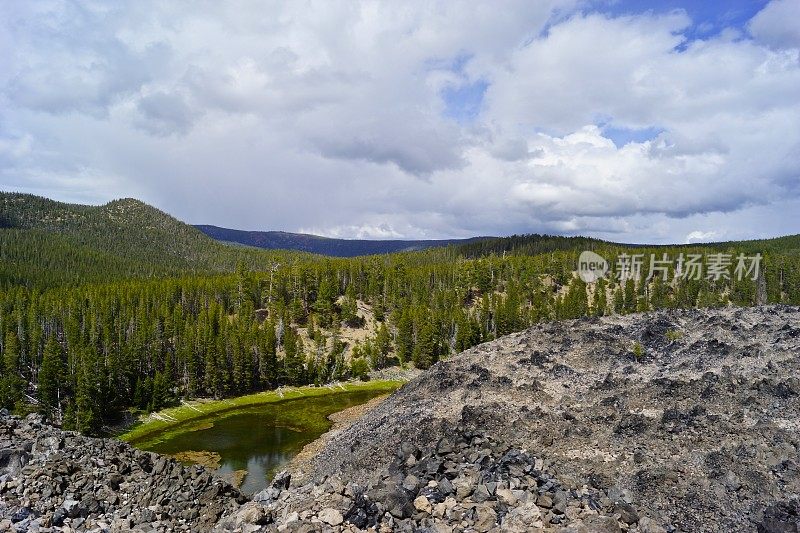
(359, 368)
(382, 346)
(379, 310)
(659, 294)
(323, 305)
(630, 296)
(11, 383)
(293, 358)
(51, 374)
(350, 308)
(86, 411)
(574, 303)
(404, 340)
(160, 396)
(599, 301)
(241, 370)
(467, 332)
(268, 362)
(508, 317)
(619, 301)
(425, 352)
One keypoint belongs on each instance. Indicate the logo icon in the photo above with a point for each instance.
(592, 266)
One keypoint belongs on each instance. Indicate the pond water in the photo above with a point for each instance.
(259, 439)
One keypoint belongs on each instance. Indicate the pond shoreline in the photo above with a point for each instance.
(174, 418)
(340, 421)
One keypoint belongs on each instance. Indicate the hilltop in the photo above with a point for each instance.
(47, 242)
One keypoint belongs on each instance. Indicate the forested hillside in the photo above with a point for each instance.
(281, 240)
(526, 245)
(84, 337)
(48, 243)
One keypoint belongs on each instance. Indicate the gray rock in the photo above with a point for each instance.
(545, 501)
(485, 519)
(481, 494)
(627, 513)
(411, 483)
(72, 508)
(422, 504)
(331, 517)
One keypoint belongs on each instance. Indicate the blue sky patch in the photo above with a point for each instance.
(708, 17)
(622, 136)
(463, 102)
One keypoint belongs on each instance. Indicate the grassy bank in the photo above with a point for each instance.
(196, 410)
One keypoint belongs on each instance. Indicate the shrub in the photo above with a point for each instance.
(674, 334)
(638, 350)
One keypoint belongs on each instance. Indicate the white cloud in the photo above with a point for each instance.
(15, 148)
(164, 113)
(777, 24)
(363, 231)
(330, 116)
(701, 236)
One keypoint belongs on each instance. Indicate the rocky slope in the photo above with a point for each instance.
(668, 421)
(56, 480)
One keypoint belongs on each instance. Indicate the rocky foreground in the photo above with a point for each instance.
(51, 480)
(668, 421)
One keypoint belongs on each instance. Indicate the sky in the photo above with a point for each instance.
(629, 120)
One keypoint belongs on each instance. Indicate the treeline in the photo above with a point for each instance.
(86, 354)
(531, 244)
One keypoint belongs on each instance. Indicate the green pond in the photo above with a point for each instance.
(259, 439)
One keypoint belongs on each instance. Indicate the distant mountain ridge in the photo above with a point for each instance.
(281, 240)
(47, 243)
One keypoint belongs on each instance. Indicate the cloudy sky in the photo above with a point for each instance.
(631, 120)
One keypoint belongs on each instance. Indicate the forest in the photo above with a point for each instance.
(107, 310)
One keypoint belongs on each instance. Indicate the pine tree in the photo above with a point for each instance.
(160, 397)
(659, 295)
(599, 301)
(51, 375)
(293, 358)
(11, 383)
(359, 368)
(425, 352)
(574, 304)
(508, 316)
(630, 296)
(324, 302)
(382, 346)
(619, 301)
(350, 308)
(188, 352)
(268, 360)
(241, 370)
(404, 340)
(86, 411)
(379, 310)
(467, 332)
(243, 288)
